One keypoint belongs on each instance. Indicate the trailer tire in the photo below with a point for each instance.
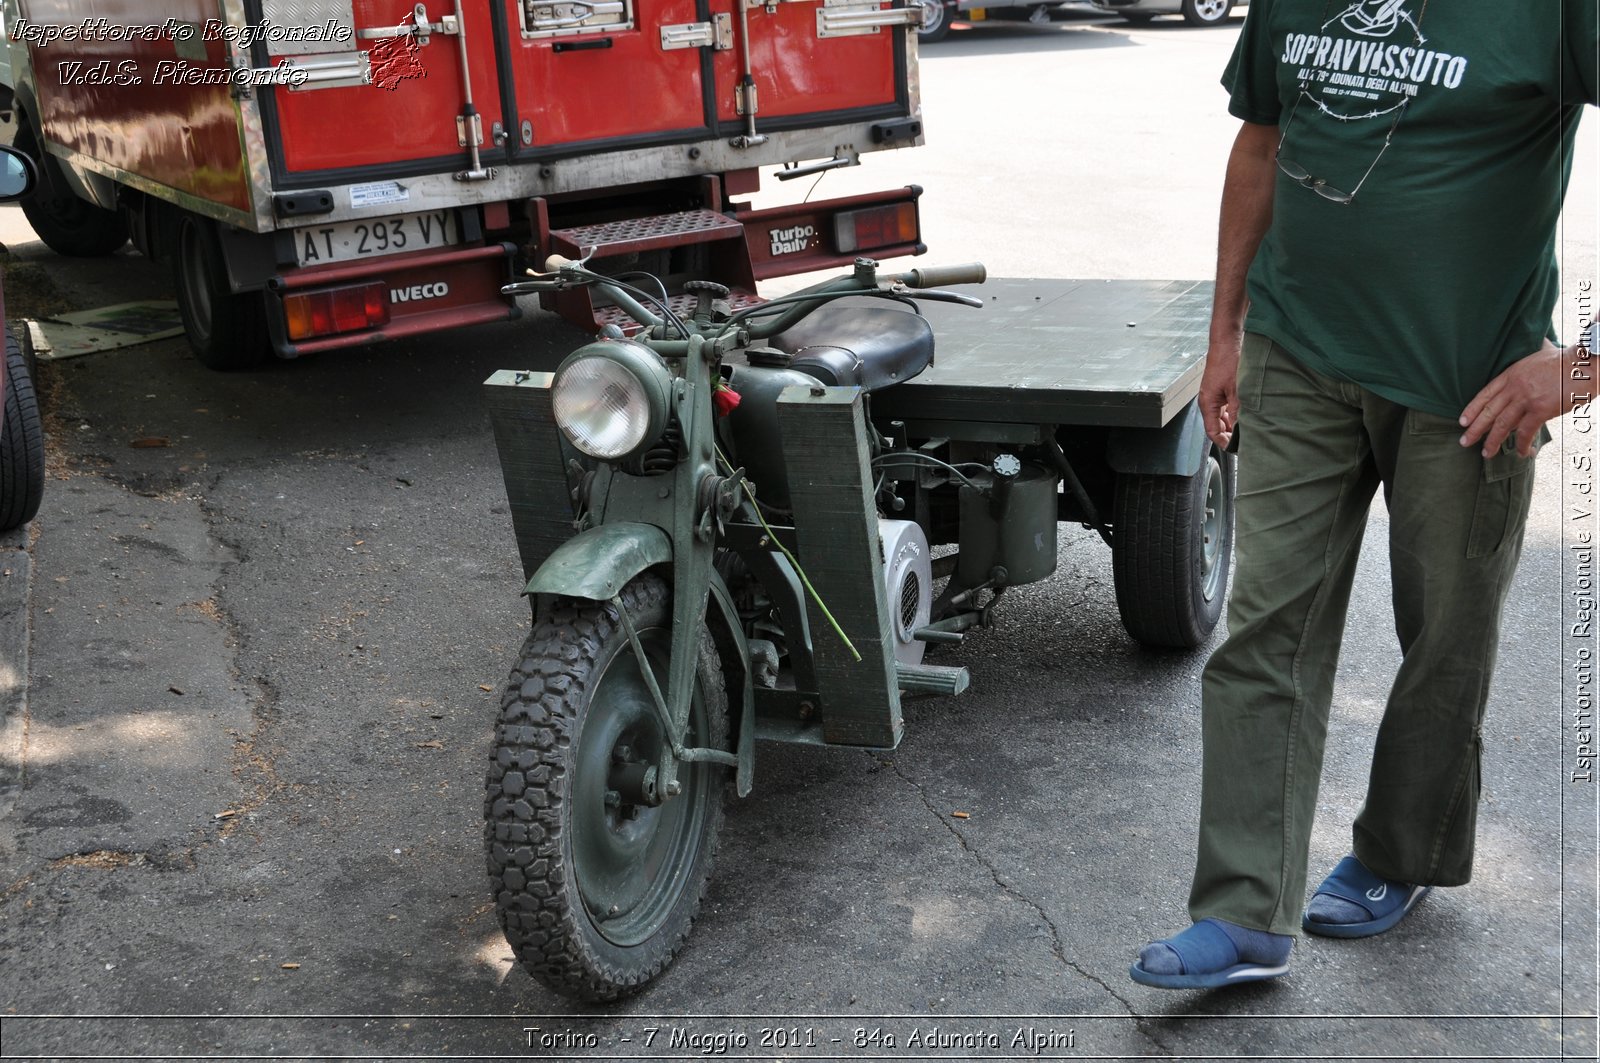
(1171, 550)
(67, 224)
(21, 443)
(227, 331)
(566, 849)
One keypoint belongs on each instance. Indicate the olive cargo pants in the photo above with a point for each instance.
(1313, 451)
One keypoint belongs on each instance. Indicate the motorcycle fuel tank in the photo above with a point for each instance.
(750, 432)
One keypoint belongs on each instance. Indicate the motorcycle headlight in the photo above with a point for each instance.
(612, 398)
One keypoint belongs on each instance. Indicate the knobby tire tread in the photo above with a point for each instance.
(527, 786)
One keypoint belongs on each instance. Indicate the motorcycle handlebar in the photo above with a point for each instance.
(939, 276)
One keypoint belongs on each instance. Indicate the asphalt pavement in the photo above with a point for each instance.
(249, 669)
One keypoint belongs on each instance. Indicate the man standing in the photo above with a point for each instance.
(1385, 282)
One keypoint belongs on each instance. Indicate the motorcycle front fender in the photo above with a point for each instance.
(598, 563)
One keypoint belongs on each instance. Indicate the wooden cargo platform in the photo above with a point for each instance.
(1061, 352)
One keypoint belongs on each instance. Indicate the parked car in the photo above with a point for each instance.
(21, 434)
(938, 14)
(1194, 12)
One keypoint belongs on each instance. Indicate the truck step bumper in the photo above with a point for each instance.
(425, 292)
(645, 234)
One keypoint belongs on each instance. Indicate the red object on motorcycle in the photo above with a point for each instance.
(725, 400)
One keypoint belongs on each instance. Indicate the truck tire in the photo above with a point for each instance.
(596, 889)
(227, 331)
(1171, 549)
(936, 18)
(1206, 12)
(67, 225)
(21, 443)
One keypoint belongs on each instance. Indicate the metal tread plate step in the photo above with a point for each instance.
(682, 304)
(646, 234)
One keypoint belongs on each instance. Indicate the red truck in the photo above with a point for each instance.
(326, 173)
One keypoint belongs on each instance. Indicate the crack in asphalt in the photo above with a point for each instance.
(1141, 1022)
(250, 754)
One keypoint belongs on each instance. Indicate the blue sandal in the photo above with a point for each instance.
(1209, 959)
(1386, 902)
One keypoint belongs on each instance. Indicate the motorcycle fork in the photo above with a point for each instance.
(678, 504)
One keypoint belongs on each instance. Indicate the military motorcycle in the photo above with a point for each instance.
(727, 517)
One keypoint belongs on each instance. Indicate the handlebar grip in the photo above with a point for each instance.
(939, 276)
(555, 262)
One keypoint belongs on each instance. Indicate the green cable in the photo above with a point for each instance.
(751, 491)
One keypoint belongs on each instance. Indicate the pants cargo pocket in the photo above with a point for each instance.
(1503, 490)
(1254, 353)
(1501, 510)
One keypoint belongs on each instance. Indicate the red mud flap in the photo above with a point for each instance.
(427, 291)
(813, 236)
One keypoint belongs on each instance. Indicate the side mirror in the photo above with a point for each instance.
(18, 174)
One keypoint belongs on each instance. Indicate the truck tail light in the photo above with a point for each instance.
(330, 311)
(874, 227)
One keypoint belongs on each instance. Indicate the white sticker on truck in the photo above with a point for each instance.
(378, 194)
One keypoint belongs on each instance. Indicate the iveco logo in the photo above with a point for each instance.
(789, 241)
(418, 292)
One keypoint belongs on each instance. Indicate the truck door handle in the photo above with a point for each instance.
(851, 18)
(422, 30)
(577, 13)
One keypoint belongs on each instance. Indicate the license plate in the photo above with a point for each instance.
(347, 241)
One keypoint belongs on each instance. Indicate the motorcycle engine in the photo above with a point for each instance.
(908, 584)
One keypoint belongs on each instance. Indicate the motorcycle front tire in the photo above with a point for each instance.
(596, 889)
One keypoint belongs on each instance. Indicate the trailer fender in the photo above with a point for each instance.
(1174, 449)
(599, 562)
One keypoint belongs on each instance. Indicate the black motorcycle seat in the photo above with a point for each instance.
(862, 346)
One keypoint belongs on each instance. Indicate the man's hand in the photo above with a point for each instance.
(1521, 399)
(1219, 392)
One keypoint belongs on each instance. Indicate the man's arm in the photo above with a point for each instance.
(1246, 213)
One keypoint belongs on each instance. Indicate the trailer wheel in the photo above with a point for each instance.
(936, 18)
(21, 443)
(597, 888)
(1171, 548)
(226, 330)
(67, 224)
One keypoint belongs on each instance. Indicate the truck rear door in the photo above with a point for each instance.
(409, 119)
(596, 74)
(814, 61)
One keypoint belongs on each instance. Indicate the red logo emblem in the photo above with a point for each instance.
(396, 59)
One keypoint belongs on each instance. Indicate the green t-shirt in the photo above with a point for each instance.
(1441, 271)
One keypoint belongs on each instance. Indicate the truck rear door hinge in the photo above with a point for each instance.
(716, 34)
